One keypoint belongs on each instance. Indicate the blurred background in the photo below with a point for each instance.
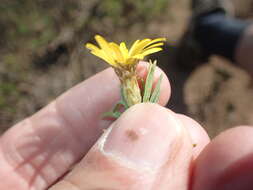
(42, 54)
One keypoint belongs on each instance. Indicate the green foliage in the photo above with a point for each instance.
(148, 8)
(8, 95)
(28, 24)
(8, 89)
(144, 9)
(112, 8)
(11, 76)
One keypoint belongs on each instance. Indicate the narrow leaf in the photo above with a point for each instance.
(156, 93)
(117, 114)
(149, 81)
(109, 115)
(123, 100)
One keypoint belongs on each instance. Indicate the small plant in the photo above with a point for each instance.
(124, 61)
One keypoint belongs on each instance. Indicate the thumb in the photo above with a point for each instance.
(146, 148)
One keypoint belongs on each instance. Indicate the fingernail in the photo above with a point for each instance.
(144, 137)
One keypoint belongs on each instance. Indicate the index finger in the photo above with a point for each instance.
(40, 149)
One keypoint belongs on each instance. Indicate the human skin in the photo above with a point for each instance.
(65, 146)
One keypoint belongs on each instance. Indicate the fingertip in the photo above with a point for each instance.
(152, 139)
(141, 150)
(225, 162)
(138, 136)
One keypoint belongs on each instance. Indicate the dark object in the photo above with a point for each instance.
(190, 52)
(219, 34)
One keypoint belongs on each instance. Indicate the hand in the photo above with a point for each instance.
(149, 147)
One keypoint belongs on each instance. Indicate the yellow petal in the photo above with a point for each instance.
(124, 50)
(134, 45)
(131, 61)
(91, 47)
(138, 56)
(150, 51)
(158, 40)
(154, 46)
(155, 41)
(138, 47)
(117, 53)
(101, 54)
(104, 45)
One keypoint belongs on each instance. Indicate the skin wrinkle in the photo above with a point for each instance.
(58, 121)
(97, 166)
(11, 156)
(38, 169)
(8, 165)
(102, 142)
(69, 127)
(78, 114)
(88, 118)
(16, 164)
(79, 139)
(65, 123)
(43, 170)
(114, 158)
(36, 174)
(176, 147)
(28, 163)
(81, 116)
(76, 137)
(107, 170)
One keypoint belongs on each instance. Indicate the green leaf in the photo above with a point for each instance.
(148, 94)
(123, 100)
(112, 114)
(115, 113)
(149, 81)
(156, 93)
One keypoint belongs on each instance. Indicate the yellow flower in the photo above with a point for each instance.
(119, 56)
(124, 62)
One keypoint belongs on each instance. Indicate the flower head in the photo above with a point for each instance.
(124, 62)
(119, 56)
